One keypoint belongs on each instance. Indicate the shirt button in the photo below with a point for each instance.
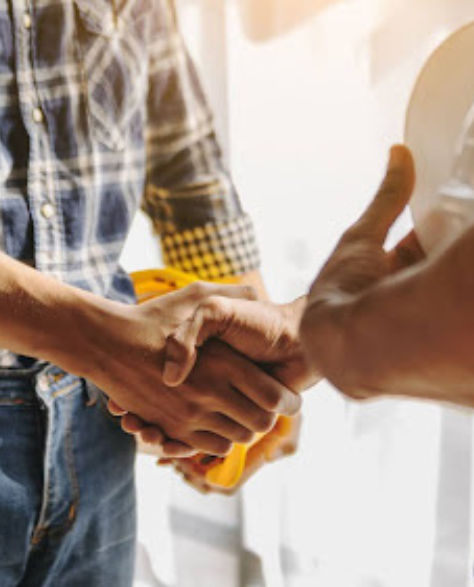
(48, 211)
(27, 21)
(38, 116)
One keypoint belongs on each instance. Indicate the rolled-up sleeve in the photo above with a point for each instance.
(189, 195)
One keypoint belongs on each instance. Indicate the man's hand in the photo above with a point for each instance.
(227, 399)
(358, 263)
(265, 332)
(360, 260)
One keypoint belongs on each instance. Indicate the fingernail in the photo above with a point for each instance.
(171, 373)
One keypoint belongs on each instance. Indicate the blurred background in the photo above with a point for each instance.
(308, 97)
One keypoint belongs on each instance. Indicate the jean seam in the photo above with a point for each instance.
(72, 472)
(43, 529)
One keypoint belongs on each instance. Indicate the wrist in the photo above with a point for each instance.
(292, 315)
(323, 333)
(87, 328)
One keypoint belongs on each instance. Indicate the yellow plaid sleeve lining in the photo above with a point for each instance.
(214, 251)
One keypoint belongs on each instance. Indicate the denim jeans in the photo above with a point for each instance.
(67, 495)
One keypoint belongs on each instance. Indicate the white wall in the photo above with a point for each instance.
(311, 117)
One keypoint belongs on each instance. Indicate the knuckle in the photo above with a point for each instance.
(174, 343)
(199, 288)
(249, 292)
(189, 414)
(212, 306)
(244, 436)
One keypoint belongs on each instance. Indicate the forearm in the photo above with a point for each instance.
(44, 318)
(412, 334)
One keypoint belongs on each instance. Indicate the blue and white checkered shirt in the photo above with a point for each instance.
(101, 111)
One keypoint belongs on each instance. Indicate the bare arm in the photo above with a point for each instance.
(120, 348)
(40, 317)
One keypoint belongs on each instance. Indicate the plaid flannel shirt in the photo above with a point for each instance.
(101, 111)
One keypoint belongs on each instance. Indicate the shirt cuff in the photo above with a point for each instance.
(215, 250)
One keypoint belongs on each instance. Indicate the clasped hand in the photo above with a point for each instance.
(227, 397)
(225, 364)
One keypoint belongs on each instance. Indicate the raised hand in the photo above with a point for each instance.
(358, 264)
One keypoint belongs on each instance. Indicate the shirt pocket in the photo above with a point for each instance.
(112, 44)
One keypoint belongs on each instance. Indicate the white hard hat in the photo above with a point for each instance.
(438, 120)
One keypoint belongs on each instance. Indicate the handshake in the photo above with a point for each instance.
(230, 365)
(210, 365)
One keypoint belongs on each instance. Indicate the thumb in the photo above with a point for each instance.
(211, 319)
(392, 197)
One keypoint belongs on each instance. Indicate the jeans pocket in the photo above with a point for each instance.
(17, 388)
(113, 47)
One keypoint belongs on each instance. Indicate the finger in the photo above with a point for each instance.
(210, 443)
(266, 392)
(115, 409)
(174, 449)
(180, 355)
(391, 198)
(227, 428)
(185, 466)
(152, 435)
(133, 424)
(250, 396)
(408, 252)
(211, 319)
(239, 409)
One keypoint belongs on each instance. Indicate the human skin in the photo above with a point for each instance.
(121, 349)
(275, 446)
(268, 332)
(279, 443)
(375, 334)
(359, 269)
(375, 322)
